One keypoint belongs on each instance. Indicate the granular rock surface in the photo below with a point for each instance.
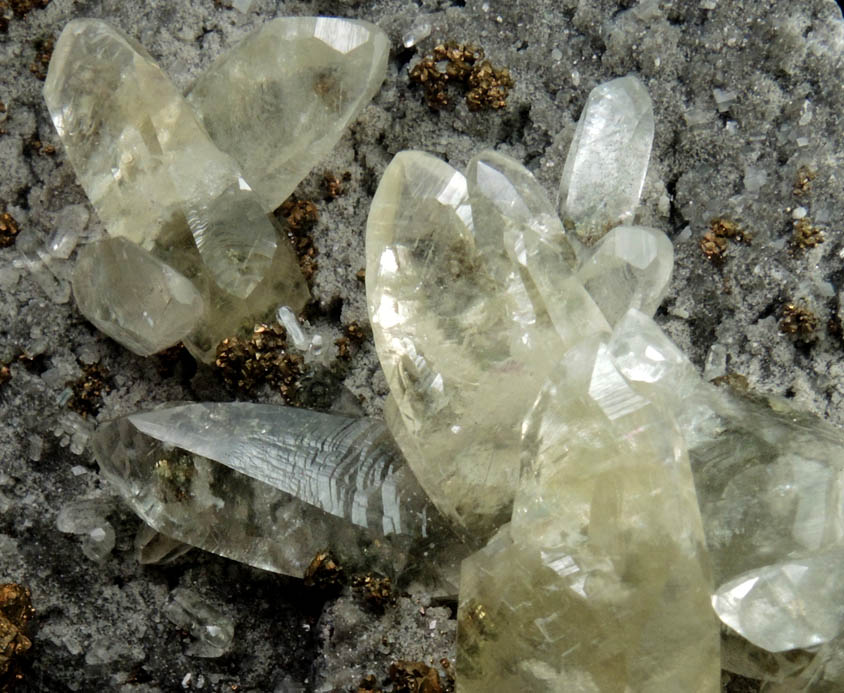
(745, 177)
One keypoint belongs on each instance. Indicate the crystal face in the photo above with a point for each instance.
(269, 486)
(608, 158)
(280, 100)
(144, 160)
(134, 297)
(605, 547)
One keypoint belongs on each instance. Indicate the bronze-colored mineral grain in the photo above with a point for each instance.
(15, 614)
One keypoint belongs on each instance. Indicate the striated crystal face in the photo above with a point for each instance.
(462, 343)
(270, 486)
(601, 581)
(630, 267)
(145, 161)
(770, 482)
(608, 158)
(133, 297)
(281, 99)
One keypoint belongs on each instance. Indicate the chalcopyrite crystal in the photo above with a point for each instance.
(279, 101)
(608, 158)
(268, 485)
(144, 160)
(134, 297)
(601, 581)
(770, 482)
(462, 342)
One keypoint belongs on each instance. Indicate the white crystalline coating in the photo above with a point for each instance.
(144, 160)
(790, 589)
(281, 99)
(608, 158)
(133, 297)
(630, 267)
(340, 465)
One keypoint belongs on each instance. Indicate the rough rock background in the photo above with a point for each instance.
(100, 627)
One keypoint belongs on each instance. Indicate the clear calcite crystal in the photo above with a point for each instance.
(525, 247)
(770, 482)
(144, 160)
(608, 158)
(601, 581)
(269, 486)
(133, 297)
(280, 100)
(463, 347)
(630, 267)
(212, 630)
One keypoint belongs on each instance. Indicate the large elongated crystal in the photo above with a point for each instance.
(608, 158)
(462, 340)
(280, 100)
(145, 161)
(133, 297)
(270, 486)
(770, 482)
(601, 581)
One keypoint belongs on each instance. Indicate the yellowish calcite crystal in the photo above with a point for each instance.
(282, 98)
(601, 581)
(461, 331)
(145, 161)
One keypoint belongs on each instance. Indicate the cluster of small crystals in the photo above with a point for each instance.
(185, 184)
(626, 501)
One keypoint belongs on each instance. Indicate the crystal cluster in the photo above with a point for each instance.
(546, 446)
(184, 185)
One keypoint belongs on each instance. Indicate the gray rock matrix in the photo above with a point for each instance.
(746, 92)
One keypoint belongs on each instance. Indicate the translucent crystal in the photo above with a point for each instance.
(630, 267)
(211, 629)
(463, 349)
(269, 486)
(156, 548)
(87, 519)
(144, 160)
(280, 100)
(770, 482)
(133, 297)
(601, 581)
(608, 158)
(525, 247)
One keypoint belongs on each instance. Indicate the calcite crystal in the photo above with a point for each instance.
(463, 345)
(134, 297)
(267, 485)
(608, 158)
(280, 100)
(769, 481)
(601, 581)
(145, 161)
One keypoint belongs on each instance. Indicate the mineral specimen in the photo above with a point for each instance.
(15, 614)
(608, 158)
(601, 581)
(280, 100)
(212, 630)
(270, 486)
